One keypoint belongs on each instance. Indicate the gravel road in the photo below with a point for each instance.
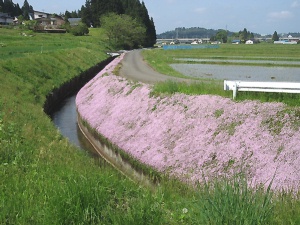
(136, 69)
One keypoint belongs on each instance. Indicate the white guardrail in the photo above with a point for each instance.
(259, 86)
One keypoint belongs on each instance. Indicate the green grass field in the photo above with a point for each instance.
(261, 51)
(25, 43)
(45, 180)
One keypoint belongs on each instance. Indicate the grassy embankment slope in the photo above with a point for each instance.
(46, 180)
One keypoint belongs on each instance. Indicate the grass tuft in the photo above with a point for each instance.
(231, 201)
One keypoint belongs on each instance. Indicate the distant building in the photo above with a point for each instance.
(249, 42)
(285, 42)
(47, 20)
(197, 41)
(74, 21)
(53, 22)
(38, 15)
(6, 19)
(289, 38)
(216, 42)
(236, 41)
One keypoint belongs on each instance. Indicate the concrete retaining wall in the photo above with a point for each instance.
(57, 96)
(113, 157)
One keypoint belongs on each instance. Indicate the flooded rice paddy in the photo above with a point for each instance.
(270, 62)
(240, 72)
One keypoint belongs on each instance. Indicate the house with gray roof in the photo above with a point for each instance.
(74, 21)
(6, 19)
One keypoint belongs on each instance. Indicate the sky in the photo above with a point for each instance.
(263, 17)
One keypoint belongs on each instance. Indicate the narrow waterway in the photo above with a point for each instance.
(65, 119)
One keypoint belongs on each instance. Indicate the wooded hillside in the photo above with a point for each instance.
(94, 9)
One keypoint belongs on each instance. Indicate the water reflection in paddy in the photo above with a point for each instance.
(235, 72)
(256, 61)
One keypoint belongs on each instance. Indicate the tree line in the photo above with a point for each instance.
(14, 10)
(93, 10)
(214, 35)
(225, 36)
(193, 32)
(222, 35)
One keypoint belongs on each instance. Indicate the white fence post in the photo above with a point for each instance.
(258, 86)
(234, 90)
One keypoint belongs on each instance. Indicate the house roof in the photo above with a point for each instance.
(5, 15)
(74, 20)
(41, 12)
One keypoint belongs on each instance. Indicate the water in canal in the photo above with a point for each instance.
(65, 119)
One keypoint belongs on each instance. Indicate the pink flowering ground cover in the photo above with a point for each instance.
(195, 137)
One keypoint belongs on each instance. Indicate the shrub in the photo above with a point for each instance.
(80, 30)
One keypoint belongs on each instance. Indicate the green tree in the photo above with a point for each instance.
(67, 15)
(73, 14)
(243, 35)
(20, 19)
(8, 6)
(275, 36)
(26, 9)
(31, 24)
(98, 8)
(17, 10)
(213, 38)
(150, 38)
(138, 10)
(86, 13)
(222, 36)
(123, 31)
(1, 6)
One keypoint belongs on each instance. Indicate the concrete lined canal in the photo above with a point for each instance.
(65, 119)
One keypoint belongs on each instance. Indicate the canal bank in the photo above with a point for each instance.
(56, 97)
(114, 156)
(60, 106)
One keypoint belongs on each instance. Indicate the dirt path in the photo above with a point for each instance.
(135, 68)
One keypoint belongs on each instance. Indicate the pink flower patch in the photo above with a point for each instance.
(194, 136)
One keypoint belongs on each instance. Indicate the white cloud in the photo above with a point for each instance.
(200, 10)
(295, 4)
(280, 15)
